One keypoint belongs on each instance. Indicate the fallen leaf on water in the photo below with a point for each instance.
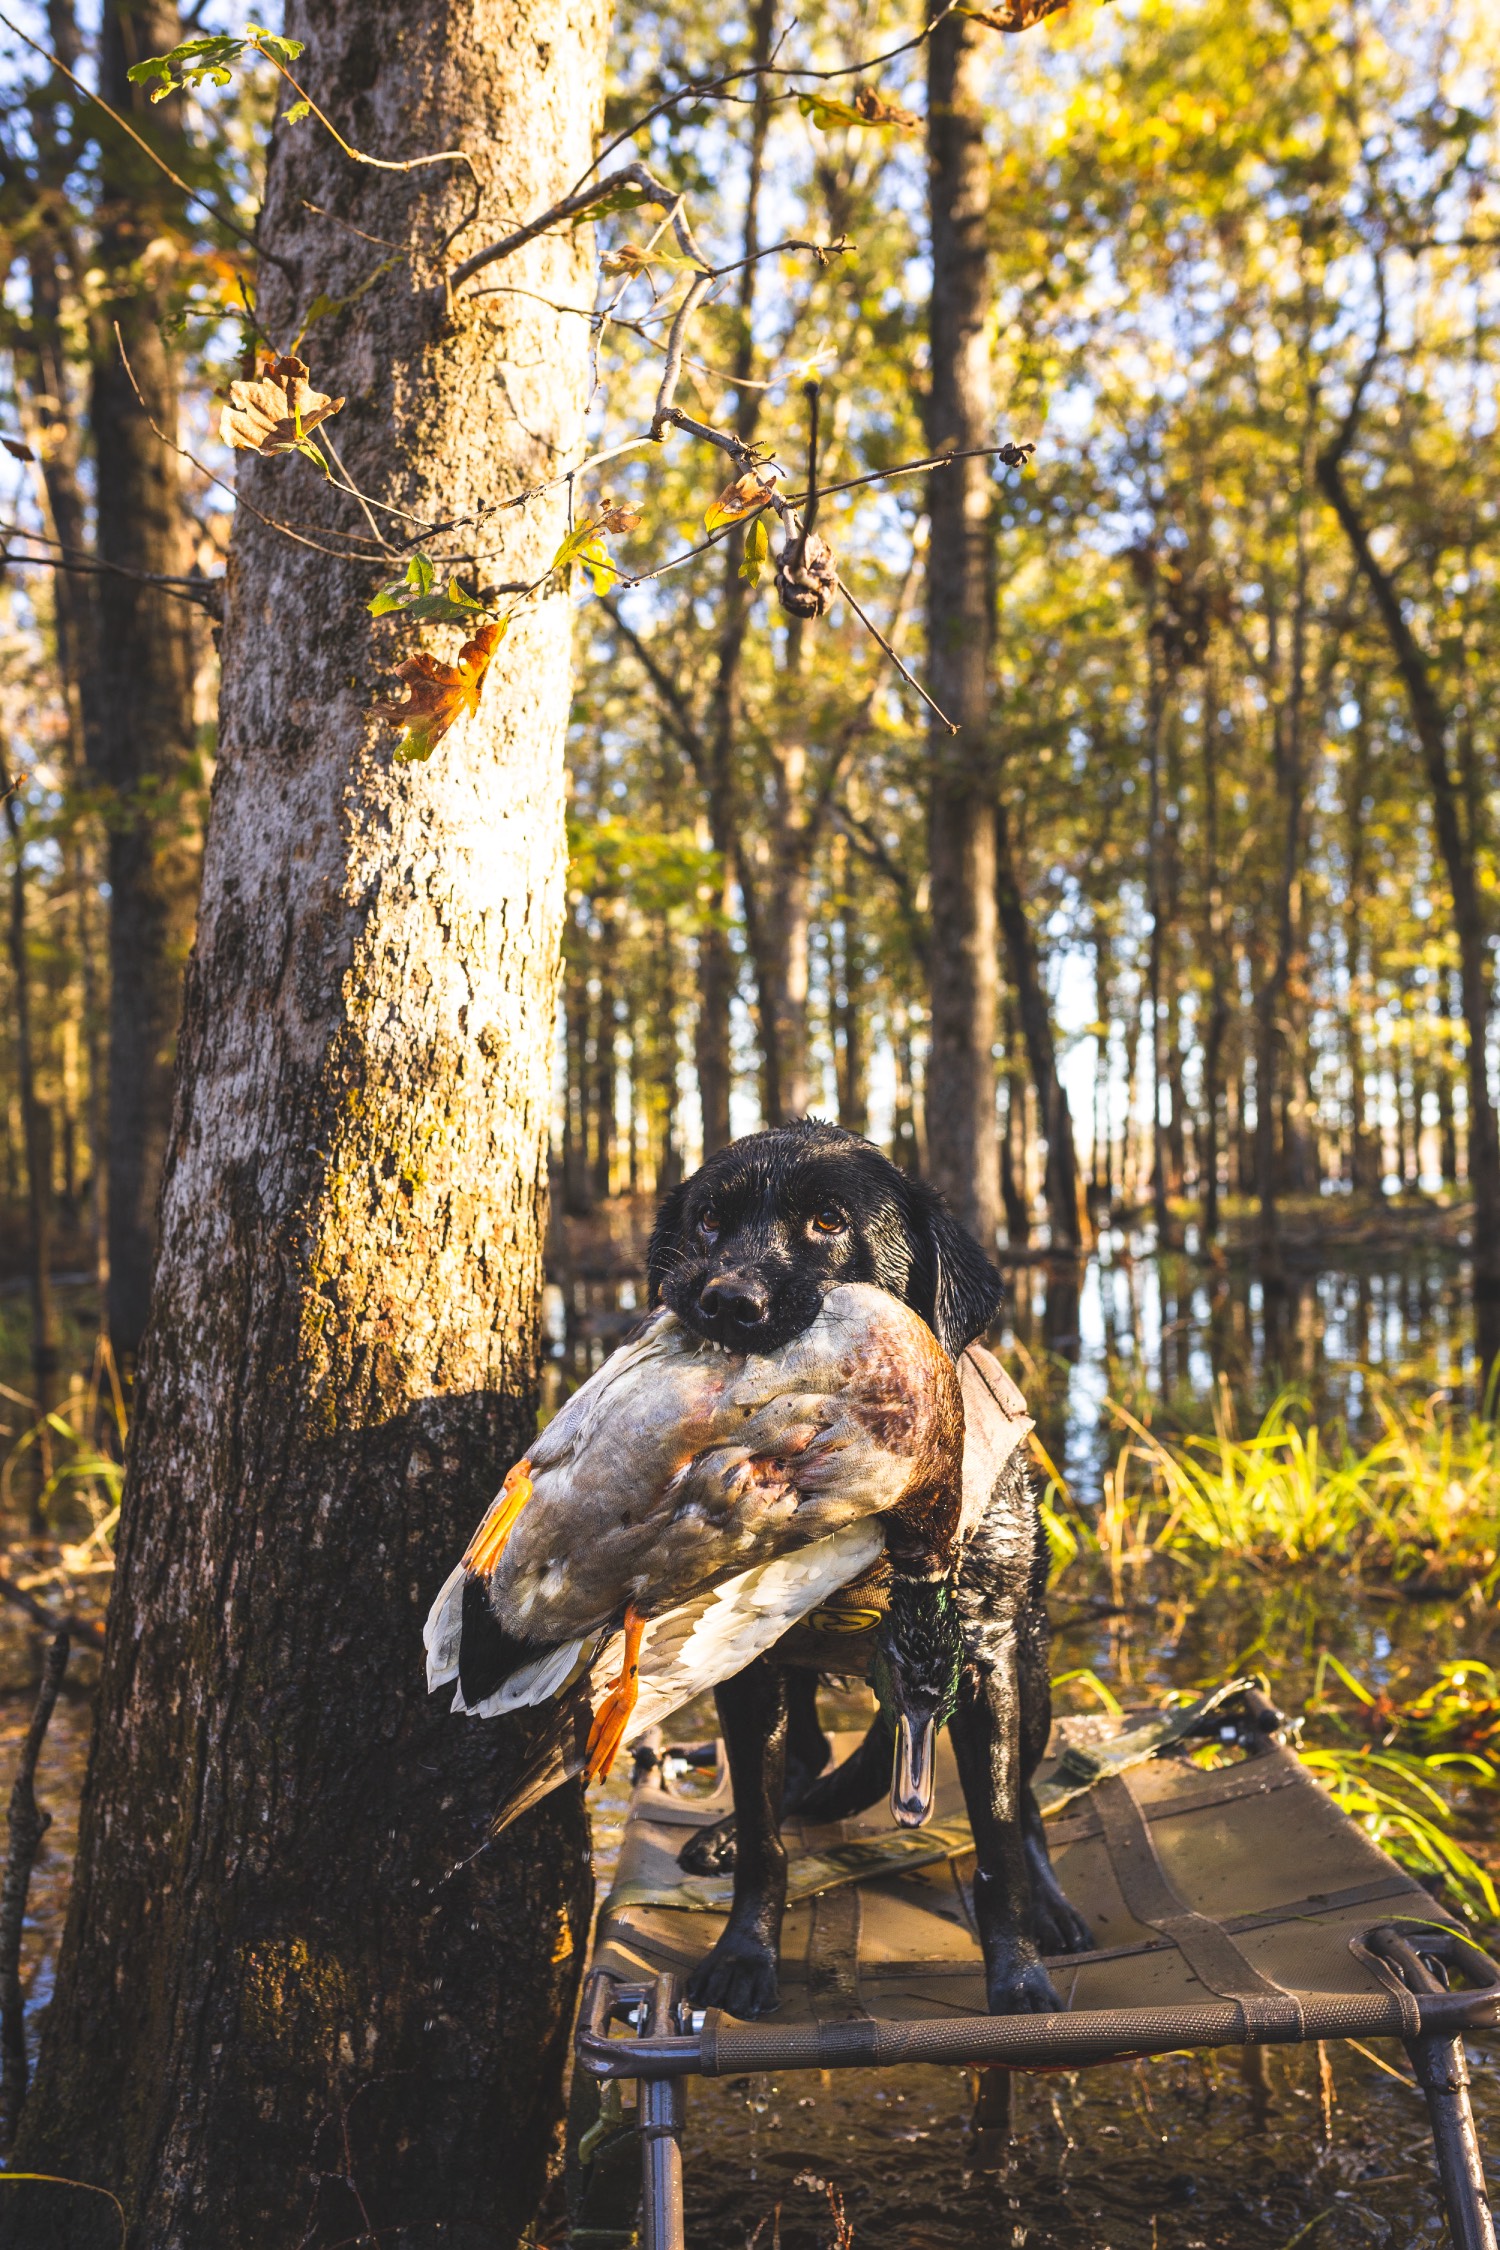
(438, 693)
(275, 412)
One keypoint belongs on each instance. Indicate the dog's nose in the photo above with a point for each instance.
(739, 1297)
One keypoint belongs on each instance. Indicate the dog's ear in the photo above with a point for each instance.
(953, 1285)
(666, 1241)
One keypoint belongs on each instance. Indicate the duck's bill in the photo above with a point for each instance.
(912, 1775)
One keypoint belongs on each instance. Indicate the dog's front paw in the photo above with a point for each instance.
(1016, 1982)
(739, 1976)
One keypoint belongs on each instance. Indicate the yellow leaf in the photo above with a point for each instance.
(757, 552)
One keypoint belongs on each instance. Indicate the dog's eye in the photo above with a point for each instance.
(708, 1226)
(829, 1220)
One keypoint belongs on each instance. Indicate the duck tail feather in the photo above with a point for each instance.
(560, 1754)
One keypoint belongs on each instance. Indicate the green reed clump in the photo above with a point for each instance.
(75, 1457)
(1399, 1765)
(1419, 1502)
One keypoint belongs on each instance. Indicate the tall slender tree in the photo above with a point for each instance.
(148, 648)
(963, 967)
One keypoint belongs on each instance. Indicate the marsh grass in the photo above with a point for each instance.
(1414, 1510)
(82, 1446)
(1419, 1505)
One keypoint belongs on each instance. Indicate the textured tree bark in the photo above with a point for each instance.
(147, 657)
(279, 2018)
(963, 980)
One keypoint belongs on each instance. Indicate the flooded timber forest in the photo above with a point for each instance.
(577, 582)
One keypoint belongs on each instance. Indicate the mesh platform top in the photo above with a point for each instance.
(1198, 1885)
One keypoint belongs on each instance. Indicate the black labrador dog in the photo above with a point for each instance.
(743, 1253)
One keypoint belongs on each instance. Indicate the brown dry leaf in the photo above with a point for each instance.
(274, 413)
(876, 109)
(17, 449)
(629, 258)
(620, 518)
(742, 498)
(439, 693)
(1019, 15)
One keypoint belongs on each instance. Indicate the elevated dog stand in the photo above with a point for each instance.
(1235, 1907)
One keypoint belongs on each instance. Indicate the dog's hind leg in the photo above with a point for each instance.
(808, 1748)
(740, 1973)
(861, 1781)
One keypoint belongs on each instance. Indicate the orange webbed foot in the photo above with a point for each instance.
(613, 1715)
(488, 1543)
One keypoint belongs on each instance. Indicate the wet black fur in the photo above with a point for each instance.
(759, 1279)
(753, 1277)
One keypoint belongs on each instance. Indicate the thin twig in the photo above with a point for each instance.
(697, 88)
(232, 226)
(203, 593)
(27, 1826)
(359, 155)
(910, 678)
(672, 372)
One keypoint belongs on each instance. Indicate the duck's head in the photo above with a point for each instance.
(745, 1251)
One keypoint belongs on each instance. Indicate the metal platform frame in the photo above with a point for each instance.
(646, 2032)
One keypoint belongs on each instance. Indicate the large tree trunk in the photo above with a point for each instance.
(963, 968)
(279, 2018)
(147, 658)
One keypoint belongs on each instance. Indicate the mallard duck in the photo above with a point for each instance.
(687, 1507)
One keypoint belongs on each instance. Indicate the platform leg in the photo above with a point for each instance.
(661, 2107)
(1443, 2075)
(990, 2120)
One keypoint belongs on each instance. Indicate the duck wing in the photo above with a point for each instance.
(679, 1465)
(693, 1647)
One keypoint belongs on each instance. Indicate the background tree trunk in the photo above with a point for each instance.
(1459, 847)
(147, 658)
(279, 2019)
(1064, 1203)
(36, 1128)
(963, 970)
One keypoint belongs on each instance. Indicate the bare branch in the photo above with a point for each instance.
(573, 206)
